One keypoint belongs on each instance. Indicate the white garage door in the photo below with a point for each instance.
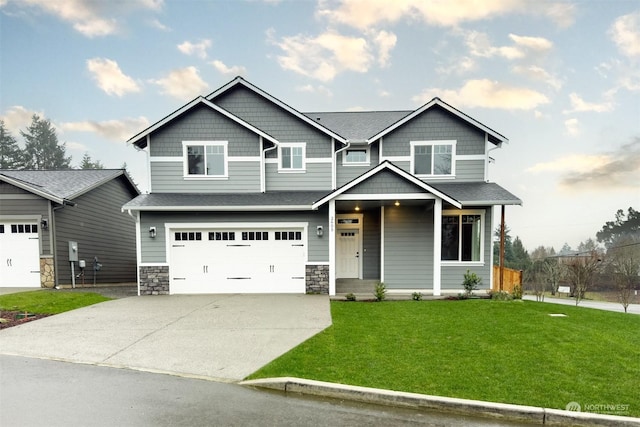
(257, 260)
(19, 254)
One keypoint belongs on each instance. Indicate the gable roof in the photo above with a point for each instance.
(240, 81)
(387, 165)
(140, 139)
(62, 186)
(358, 126)
(494, 136)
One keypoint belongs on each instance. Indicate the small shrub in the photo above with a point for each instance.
(517, 292)
(471, 282)
(350, 297)
(380, 292)
(501, 296)
(416, 296)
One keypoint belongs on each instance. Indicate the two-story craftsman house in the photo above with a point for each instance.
(248, 194)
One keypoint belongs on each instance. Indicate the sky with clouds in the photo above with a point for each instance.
(560, 79)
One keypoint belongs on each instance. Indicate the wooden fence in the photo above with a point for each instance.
(511, 278)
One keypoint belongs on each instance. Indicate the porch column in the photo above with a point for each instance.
(437, 245)
(332, 247)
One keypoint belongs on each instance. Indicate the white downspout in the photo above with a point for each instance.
(138, 246)
(334, 174)
(263, 166)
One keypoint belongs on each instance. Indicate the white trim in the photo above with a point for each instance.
(332, 247)
(395, 159)
(138, 249)
(459, 213)
(205, 144)
(221, 208)
(437, 247)
(367, 151)
(271, 161)
(382, 249)
(360, 228)
(162, 159)
(471, 157)
(432, 144)
(234, 225)
(303, 168)
(243, 159)
(318, 160)
(387, 196)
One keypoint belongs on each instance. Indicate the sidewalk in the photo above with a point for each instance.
(599, 305)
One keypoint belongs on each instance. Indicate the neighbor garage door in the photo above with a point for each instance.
(19, 254)
(255, 260)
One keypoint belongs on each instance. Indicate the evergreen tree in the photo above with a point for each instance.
(508, 246)
(521, 259)
(613, 230)
(87, 163)
(42, 150)
(10, 153)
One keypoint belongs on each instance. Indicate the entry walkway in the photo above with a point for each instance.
(224, 337)
(600, 305)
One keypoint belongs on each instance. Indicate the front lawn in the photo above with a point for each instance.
(500, 351)
(48, 301)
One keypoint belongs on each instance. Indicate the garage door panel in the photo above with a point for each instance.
(19, 254)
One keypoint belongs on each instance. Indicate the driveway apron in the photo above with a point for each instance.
(224, 337)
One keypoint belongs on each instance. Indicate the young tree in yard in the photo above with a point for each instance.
(87, 163)
(581, 270)
(42, 150)
(624, 264)
(10, 153)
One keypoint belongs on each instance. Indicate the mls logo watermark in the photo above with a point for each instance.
(599, 408)
(573, 406)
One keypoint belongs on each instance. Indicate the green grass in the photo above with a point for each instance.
(511, 352)
(48, 302)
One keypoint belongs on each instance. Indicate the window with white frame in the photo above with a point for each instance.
(205, 159)
(462, 237)
(356, 156)
(433, 158)
(291, 157)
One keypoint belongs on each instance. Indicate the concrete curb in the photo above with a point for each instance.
(529, 414)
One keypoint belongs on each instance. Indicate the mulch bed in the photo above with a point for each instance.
(14, 318)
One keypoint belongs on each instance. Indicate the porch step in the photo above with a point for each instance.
(355, 286)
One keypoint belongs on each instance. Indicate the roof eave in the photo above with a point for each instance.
(272, 208)
(27, 187)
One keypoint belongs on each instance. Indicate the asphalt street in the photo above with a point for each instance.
(37, 392)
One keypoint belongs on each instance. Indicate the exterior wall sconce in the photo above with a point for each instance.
(152, 232)
(397, 203)
(357, 208)
(319, 231)
(44, 224)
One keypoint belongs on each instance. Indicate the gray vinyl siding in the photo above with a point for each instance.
(316, 177)
(15, 201)
(434, 124)
(168, 177)
(204, 124)
(385, 182)
(275, 121)
(452, 276)
(408, 248)
(371, 244)
(345, 174)
(469, 170)
(154, 250)
(101, 230)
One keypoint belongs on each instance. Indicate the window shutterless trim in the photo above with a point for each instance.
(432, 144)
(291, 169)
(204, 144)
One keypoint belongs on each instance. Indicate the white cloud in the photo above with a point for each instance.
(92, 18)
(537, 73)
(458, 66)
(324, 56)
(480, 45)
(625, 32)
(18, 118)
(110, 78)
(320, 89)
(183, 83)
(236, 70)
(578, 105)
(486, 93)
(197, 49)
(385, 41)
(534, 43)
(155, 23)
(572, 127)
(116, 130)
(572, 163)
(363, 14)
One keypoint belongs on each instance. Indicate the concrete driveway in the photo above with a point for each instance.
(224, 337)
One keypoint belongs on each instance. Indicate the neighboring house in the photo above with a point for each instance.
(41, 212)
(248, 194)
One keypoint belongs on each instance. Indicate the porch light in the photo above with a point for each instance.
(44, 224)
(152, 232)
(397, 203)
(319, 231)
(357, 208)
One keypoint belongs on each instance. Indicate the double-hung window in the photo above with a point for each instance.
(291, 157)
(463, 236)
(433, 158)
(205, 159)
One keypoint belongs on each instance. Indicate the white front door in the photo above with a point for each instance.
(348, 254)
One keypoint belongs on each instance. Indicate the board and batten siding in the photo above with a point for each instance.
(168, 177)
(275, 121)
(204, 124)
(101, 230)
(16, 202)
(154, 250)
(453, 275)
(408, 247)
(317, 176)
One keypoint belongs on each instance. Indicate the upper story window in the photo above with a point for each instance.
(291, 157)
(205, 159)
(433, 158)
(462, 236)
(356, 156)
